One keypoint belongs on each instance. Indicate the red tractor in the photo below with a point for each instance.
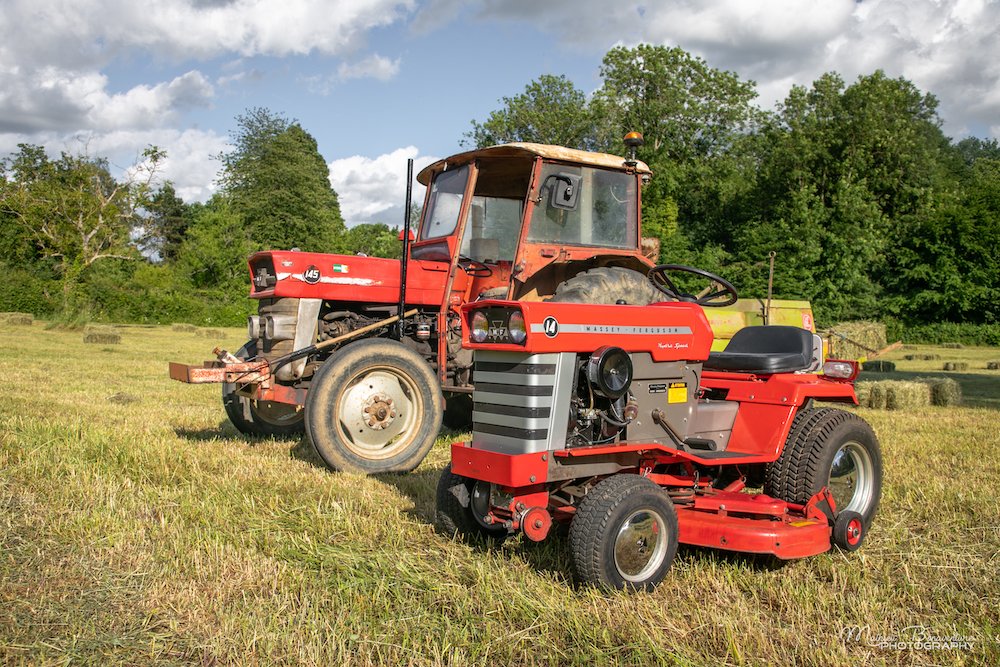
(618, 421)
(329, 352)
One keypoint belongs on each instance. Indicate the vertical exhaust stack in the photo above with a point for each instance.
(406, 249)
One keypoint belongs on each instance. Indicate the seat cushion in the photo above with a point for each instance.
(765, 350)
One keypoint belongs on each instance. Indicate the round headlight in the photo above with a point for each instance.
(609, 370)
(478, 328)
(516, 328)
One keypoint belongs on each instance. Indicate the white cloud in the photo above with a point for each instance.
(369, 189)
(950, 49)
(374, 67)
(73, 33)
(53, 99)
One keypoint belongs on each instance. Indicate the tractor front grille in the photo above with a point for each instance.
(521, 401)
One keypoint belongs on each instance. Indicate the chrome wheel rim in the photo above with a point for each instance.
(852, 478)
(377, 412)
(641, 545)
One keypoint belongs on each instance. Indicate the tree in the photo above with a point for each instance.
(277, 182)
(551, 110)
(684, 108)
(75, 212)
(166, 222)
(374, 240)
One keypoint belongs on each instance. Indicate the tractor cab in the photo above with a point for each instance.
(521, 218)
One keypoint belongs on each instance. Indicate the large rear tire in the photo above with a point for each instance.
(833, 448)
(260, 418)
(608, 284)
(374, 407)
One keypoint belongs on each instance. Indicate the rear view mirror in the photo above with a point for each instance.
(565, 190)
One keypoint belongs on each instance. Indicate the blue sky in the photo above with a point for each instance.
(377, 81)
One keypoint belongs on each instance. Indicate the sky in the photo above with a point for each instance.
(380, 81)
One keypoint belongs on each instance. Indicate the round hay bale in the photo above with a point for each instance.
(878, 366)
(876, 396)
(993, 365)
(903, 395)
(19, 319)
(944, 391)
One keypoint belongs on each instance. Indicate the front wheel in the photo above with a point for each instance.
(624, 534)
(462, 506)
(375, 406)
(267, 418)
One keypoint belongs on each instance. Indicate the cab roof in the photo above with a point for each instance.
(526, 150)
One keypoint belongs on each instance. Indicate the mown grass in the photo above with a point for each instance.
(138, 528)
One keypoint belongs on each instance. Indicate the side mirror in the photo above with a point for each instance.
(565, 191)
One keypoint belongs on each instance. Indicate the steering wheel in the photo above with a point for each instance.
(474, 267)
(661, 281)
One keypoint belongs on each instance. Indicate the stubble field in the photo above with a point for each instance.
(137, 527)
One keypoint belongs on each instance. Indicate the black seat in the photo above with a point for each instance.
(765, 350)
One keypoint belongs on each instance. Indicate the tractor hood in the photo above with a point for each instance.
(371, 280)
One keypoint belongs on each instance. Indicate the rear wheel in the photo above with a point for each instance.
(832, 448)
(608, 284)
(267, 418)
(624, 534)
(373, 407)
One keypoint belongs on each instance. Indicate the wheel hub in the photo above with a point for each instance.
(379, 411)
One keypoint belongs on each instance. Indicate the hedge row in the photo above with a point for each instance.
(944, 332)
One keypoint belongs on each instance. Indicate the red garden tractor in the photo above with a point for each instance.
(618, 421)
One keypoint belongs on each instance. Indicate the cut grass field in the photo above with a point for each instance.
(137, 527)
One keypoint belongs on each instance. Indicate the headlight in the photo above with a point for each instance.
(479, 327)
(609, 371)
(844, 370)
(516, 328)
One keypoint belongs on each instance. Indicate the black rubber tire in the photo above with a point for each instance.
(804, 467)
(388, 362)
(454, 515)
(608, 284)
(599, 518)
(260, 422)
(849, 531)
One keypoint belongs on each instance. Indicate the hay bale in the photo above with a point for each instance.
(863, 391)
(956, 366)
(102, 337)
(211, 333)
(952, 346)
(876, 396)
(20, 319)
(921, 357)
(944, 391)
(904, 395)
(183, 328)
(853, 340)
(879, 366)
(993, 365)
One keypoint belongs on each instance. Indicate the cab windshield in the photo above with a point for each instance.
(585, 206)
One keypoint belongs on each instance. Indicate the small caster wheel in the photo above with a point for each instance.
(849, 531)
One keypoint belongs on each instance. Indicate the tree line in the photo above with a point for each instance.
(871, 210)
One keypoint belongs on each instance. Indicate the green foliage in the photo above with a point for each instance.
(275, 179)
(551, 110)
(374, 240)
(936, 333)
(166, 223)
